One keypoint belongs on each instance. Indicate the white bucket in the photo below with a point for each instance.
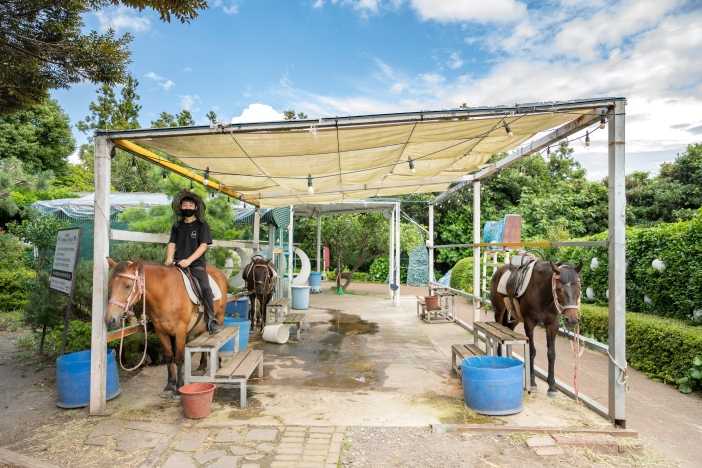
(276, 333)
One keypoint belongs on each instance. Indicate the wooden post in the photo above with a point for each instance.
(476, 252)
(101, 250)
(617, 263)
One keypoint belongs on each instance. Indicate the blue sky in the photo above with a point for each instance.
(250, 60)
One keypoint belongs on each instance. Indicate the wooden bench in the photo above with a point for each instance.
(239, 368)
(439, 315)
(210, 344)
(297, 320)
(497, 334)
(277, 307)
(461, 352)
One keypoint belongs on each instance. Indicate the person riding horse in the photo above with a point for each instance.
(190, 236)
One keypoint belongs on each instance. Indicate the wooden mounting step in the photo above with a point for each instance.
(279, 302)
(240, 365)
(213, 341)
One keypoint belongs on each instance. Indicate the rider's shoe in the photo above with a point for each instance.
(214, 327)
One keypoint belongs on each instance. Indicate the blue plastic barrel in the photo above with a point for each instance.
(315, 282)
(244, 325)
(493, 385)
(239, 306)
(300, 297)
(73, 379)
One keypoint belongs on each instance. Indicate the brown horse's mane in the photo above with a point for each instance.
(568, 273)
(122, 266)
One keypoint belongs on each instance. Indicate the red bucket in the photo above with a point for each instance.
(197, 399)
(432, 302)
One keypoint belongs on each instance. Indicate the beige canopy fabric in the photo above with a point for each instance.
(277, 162)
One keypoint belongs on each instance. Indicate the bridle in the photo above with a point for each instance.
(139, 286)
(561, 308)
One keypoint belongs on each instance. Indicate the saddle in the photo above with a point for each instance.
(514, 282)
(192, 285)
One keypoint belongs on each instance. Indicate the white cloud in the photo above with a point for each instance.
(187, 102)
(455, 61)
(123, 18)
(73, 158)
(164, 83)
(448, 11)
(231, 10)
(318, 4)
(258, 113)
(188, 69)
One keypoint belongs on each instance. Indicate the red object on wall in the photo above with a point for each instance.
(327, 260)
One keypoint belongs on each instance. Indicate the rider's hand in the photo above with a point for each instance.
(184, 263)
(169, 262)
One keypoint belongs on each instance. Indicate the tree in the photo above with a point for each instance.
(212, 117)
(43, 46)
(185, 118)
(164, 120)
(41, 233)
(181, 119)
(290, 115)
(14, 177)
(39, 136)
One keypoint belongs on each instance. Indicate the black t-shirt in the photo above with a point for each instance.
(187, 237)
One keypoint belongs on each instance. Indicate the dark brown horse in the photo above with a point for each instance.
(260, 276)
(554, 290)
(168, 306)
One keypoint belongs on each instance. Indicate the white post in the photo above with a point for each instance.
(271, 240)
(257, 229)
(397, 255)
(617, 262)
(319, 241)
(101, 250)
(476, 252)
(291, 263)
(391, 255)
(431, 244)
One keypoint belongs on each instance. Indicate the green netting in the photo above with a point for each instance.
(418, 268)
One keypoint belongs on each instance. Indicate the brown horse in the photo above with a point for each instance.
(168, 306)
(260, 276)
(554, 290)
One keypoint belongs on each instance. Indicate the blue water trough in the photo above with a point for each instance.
(493, 385)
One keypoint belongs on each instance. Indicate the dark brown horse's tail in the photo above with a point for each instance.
(498, 304)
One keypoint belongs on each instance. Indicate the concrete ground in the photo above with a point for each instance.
(361, 363)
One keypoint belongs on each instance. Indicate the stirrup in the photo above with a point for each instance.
(213, 326)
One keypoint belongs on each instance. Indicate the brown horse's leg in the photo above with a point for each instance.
(168, 356)
(529, 330)
(551, 333)
(202, 368)
(180, 356)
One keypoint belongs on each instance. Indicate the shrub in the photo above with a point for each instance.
(135, 250)
(45, 308)
(13, 288)
(662, 348)
(379, 270)
(674, 292)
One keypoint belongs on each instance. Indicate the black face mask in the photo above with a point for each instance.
(188, 212)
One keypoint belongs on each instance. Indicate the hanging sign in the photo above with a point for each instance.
(63, 272)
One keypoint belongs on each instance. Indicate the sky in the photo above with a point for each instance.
(251, 60)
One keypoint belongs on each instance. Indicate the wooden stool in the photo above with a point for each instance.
(462, 352)
(497, 334)
(278, 307)
(297, 320)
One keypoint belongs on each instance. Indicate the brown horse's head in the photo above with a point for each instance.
(567, 291)
(261, 276)
(123, 289)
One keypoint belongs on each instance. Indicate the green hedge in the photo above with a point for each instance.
(358, 276)
(674, 292)
(13, 288)
(462, 275)
(661, 348)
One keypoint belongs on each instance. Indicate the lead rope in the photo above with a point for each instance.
(138, 280)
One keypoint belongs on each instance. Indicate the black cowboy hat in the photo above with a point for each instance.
(178, 199)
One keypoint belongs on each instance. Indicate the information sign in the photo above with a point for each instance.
(63, 272)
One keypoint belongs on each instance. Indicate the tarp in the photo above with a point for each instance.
(278, 161)
(279, 217)
(83, 209)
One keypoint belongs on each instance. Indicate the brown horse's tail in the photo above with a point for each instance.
(497, 300)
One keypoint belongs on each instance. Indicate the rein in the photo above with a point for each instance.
(578, 349)
(139, 286)
(266, 284)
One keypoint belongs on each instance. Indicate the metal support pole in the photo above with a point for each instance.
(391, 256)
(397, 255)
(257, 229)
(291, 263)
(271, 240)
(617, 263)
(319, 241)
(101, 250)
(431, 244)
(476, 252)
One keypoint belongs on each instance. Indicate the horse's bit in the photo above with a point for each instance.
(560, 308)
(138, 287)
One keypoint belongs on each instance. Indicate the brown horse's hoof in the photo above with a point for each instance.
(177, 398)
(167, 394)
(534, 389)
(198, 372)
(553, 394)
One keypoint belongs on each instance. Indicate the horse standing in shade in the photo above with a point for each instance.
(260, 276)
(168, 306)
(554, 290)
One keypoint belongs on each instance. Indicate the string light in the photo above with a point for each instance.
(411, 165)
(499, 174)
(134, 164)
(164, 176)
(548, 152)
(191, 185)
(310, 189)
(603, 121)
(587, 138)
(207, 176)
(521, 171)
(509, 132)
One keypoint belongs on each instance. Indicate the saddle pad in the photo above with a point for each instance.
(215, 289)
(502, 285)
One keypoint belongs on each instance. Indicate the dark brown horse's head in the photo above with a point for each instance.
(259, 275)
(567, 291)
(124, 291)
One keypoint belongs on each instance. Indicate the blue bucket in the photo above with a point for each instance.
(73, 379)
(300, 297)
(244, 325)
(493, 385)
(239, 306)
(315, 282)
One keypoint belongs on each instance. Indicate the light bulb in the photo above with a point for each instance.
(521, 171)
(164, 176)
(134, 167)
(548, 152)
(310, 189)
(191, 185)
(587, 138)
(499, 174)
(411, 165)
(603, 121)
(509, 132)
(207, 176)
